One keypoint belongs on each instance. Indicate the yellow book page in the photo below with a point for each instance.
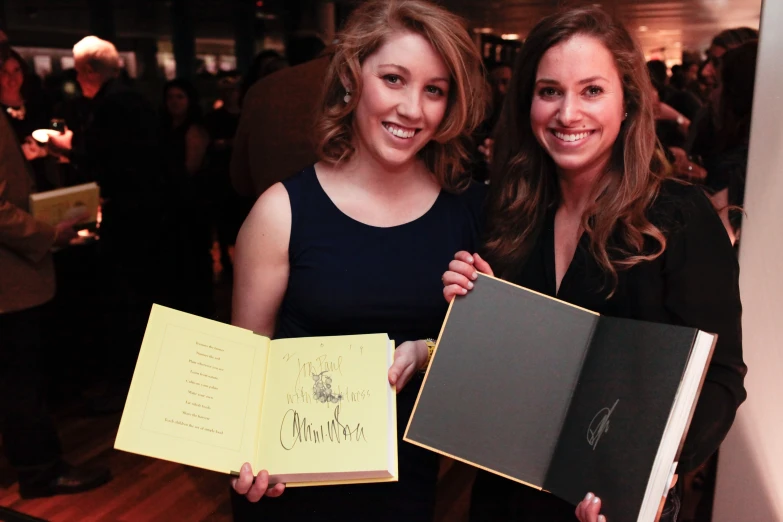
(55, 205)
(329, 413)
(196, 392)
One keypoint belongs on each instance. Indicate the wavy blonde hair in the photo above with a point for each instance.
(524, 180)
(365, 32)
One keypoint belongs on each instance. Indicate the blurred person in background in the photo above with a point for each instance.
(117, 146)
(186, 252)
(726, 161)
(498, 77)
(303, 47)
(702, 134)
(273, 137)
(26, 111)
(723, 41)
(265, 63)
(229, 209)
(29, 437)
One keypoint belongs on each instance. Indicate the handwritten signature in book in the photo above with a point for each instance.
(599, 425)
(296, 428)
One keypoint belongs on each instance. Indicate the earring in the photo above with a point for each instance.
(626, 115)
(347, 97)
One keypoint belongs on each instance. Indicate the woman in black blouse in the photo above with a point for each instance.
(582, 207)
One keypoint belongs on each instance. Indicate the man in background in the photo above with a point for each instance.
(117, 147)
(29, 437)
(273, 140)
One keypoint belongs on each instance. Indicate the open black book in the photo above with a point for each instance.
(560, 398)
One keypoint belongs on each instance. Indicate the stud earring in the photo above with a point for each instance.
(626, 115)
(347, 97)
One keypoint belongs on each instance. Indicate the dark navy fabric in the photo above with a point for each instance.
(350, 278)
(346, 278)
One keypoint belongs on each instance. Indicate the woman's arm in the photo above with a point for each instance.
(260, 279)
(196, 143)
(702, 291)
(261, 262)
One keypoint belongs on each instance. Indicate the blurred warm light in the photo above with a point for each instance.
(84, 233)
(512, 36)
(218, 104)
(643, 28)
(483, 30)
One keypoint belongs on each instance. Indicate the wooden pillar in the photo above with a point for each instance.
(3, 25)
(183, 39)
(102, 19)
(244, 33)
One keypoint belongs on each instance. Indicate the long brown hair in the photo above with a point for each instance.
(524, 180)
(365, 32)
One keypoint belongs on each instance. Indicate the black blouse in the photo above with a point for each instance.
(695, 282)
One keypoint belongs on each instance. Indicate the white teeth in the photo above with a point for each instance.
(400, 133)
(571, 137)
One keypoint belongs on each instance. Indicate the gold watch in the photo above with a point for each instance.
(430, 350)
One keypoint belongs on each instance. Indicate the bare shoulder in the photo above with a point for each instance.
(269, 219)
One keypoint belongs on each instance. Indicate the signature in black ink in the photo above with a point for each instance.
(302, 431)
(599, 425)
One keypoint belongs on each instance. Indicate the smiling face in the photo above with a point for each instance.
(577, 107)
(403, 100)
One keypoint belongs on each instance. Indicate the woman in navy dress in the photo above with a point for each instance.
(356, 243)
(582, 207)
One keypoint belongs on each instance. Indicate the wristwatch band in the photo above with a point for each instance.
(430, 351)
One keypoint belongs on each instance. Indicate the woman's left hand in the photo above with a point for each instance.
(408, 358)
(589, 509)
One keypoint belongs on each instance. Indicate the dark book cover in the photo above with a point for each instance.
(552, 395)
(619, 413)
(497, 391)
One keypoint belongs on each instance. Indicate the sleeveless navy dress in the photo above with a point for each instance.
(346, 278)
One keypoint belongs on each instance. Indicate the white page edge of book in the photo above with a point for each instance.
(679, 417)
(42, 196)
(391, 397)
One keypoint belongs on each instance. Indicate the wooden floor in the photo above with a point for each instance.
(143, 489)
(150, 490)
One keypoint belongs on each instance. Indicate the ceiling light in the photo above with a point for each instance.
(512, 36)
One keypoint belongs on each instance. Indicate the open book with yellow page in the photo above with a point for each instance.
(316, 410)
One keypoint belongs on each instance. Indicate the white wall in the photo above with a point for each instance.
(750, 468)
